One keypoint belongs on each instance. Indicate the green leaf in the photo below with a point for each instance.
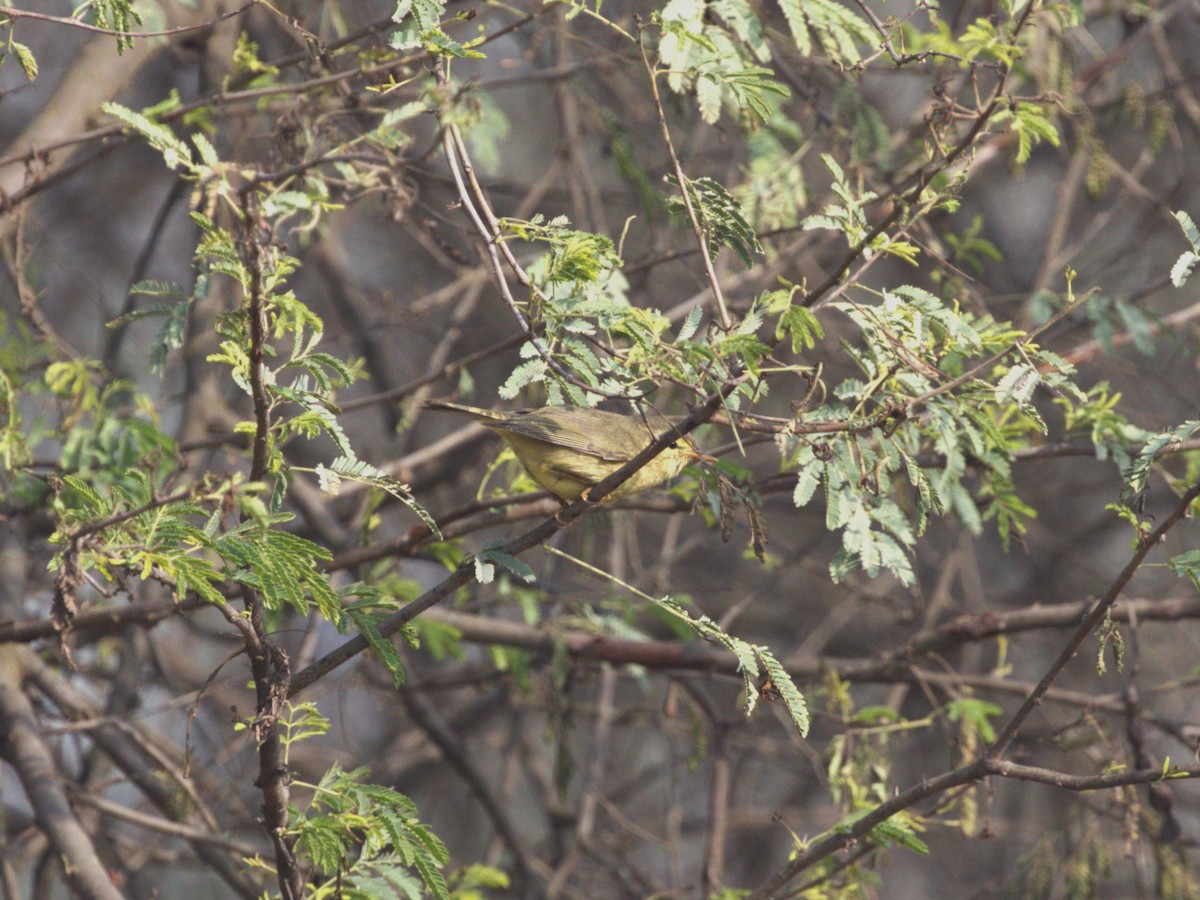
(485, 572)
(176, 154)
(806, 485)
(528, 372)
(364, 473)
(1187, 564)
(894, 832)
(787, 689)
(837, 30)
(26, 58)
(118, 16)
(1183, 266)
(975, 714)
(368, 837)
(492, 554)
(749, 88)
(1139, 473)
(690, 324)
(720, 217)
(1018, 385)
(425, 13)
(1190, 231)
(897, 833)
(1030, 125)
(385, 650)
(801, 323)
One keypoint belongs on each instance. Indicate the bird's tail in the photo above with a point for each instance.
(485, 415)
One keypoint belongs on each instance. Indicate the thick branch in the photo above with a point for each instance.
(22, 748)
(268, 663)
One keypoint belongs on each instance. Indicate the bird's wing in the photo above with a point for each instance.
(575, 429)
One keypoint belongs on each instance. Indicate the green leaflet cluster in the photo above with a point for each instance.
(185, 545)
(902, 419)
(720, 51)
(368, 840)
(762, 673)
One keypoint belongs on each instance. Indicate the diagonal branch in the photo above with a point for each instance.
(990, 763)
(22, 748)
(1088, 625)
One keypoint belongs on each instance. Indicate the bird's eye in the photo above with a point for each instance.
(674, 445)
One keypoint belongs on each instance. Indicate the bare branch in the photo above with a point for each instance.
(23, 749)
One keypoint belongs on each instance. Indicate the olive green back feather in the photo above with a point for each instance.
(611, 437)
(566, 449)
(603, 435)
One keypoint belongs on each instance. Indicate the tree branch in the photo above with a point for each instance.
(22, 748)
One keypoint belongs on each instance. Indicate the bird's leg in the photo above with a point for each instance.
(586, 496)
(583, 495)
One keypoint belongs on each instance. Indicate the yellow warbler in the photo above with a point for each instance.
(568, 449)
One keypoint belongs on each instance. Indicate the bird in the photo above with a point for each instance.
(570, 449)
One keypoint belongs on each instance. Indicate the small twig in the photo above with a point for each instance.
(453, 368)
(831, 842)
(923, 178)
(16, 257)
(990, 763)
(195, 707)
(161, 825)
(1024, 341)
(593, 780)
(426, 717)
(1081, 353)
(886, 43)
(155, 233)
(1104, 781)
(129, 748)
(720, 791)
(217, 101)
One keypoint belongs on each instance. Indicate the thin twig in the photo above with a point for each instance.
(161, 825)
(487, 225)
(701, 239)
